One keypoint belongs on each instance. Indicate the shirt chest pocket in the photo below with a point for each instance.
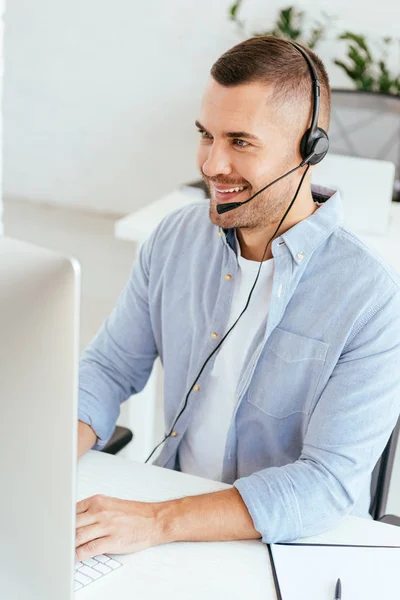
(287, 374)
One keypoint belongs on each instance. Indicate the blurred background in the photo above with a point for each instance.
(99, 104)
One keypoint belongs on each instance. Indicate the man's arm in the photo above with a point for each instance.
(110, 525)
(218, 516)
(118, 362)
(86, 438)
(346, 434)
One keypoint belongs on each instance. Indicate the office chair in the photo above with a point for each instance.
(119, 439)
(380, 481)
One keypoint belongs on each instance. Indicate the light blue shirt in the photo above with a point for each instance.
(319, 391)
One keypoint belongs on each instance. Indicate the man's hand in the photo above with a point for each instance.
(109, 525)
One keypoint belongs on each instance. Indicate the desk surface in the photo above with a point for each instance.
(192, 570)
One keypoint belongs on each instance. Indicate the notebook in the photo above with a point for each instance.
(311, 571)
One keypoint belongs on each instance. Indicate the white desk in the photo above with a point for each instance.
(173, 571)
(192, 570)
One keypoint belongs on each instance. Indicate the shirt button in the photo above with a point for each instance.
(300, 255)
(174, 434)
(228, 276)
(219, 232)
(196, 388)
(214, 335)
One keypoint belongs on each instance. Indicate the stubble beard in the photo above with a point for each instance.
(265, 210)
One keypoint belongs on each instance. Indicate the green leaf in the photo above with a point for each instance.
(286, 14)
(288, 25)
(316, 36)
(366, 72)
(347, 69)
(366, 83)
(234, 9)
(358, 39)
(385, 81)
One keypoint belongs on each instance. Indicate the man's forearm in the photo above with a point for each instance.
(218, 516)
(86, 438)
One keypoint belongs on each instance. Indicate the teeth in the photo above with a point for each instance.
(236, 189)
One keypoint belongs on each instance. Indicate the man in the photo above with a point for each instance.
(298, 403)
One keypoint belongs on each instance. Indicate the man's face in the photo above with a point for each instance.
(245, 143)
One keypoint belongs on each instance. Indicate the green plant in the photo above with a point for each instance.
(289, 25)
(366, 72)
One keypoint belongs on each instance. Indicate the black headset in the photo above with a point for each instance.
(315, 138)
(313, 148)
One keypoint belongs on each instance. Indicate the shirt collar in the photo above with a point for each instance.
(306, 236)
(303, 238)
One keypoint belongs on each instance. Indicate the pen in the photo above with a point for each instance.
(338, 590)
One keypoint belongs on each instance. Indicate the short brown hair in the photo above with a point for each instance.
(274, 61)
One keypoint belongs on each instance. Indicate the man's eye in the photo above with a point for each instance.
(204, 134)
(240, 143)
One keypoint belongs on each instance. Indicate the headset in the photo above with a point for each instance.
(314, 146)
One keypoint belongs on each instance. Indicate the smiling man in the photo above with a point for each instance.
(280, 359)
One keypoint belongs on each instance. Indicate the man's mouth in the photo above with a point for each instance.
(227, 194)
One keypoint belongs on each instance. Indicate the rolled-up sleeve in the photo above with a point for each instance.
(346, 434)
(118, 362)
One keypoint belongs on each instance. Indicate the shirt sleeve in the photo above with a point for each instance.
(347, 432)
(118, 362)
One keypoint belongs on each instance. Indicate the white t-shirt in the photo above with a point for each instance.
(202, 449)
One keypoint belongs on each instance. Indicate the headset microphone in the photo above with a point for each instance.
(223, 208)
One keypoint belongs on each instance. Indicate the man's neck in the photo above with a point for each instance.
(252, 242)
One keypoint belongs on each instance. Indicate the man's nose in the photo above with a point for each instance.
(217, 162)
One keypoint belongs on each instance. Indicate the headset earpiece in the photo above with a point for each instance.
(317, 144)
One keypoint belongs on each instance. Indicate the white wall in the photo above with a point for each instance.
(1, 122)
(100, 97)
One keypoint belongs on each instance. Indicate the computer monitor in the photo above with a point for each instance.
(39, 314)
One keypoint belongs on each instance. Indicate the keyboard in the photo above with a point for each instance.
(92, 569)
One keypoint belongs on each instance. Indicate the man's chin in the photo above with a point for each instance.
(226, 220)
(216, 218)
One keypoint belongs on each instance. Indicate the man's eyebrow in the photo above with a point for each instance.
(232, 134)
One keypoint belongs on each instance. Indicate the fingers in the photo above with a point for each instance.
(87, 509)
(93, 548)
(93, 503)
(88, 534)
(83, 505)
(85, 518)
